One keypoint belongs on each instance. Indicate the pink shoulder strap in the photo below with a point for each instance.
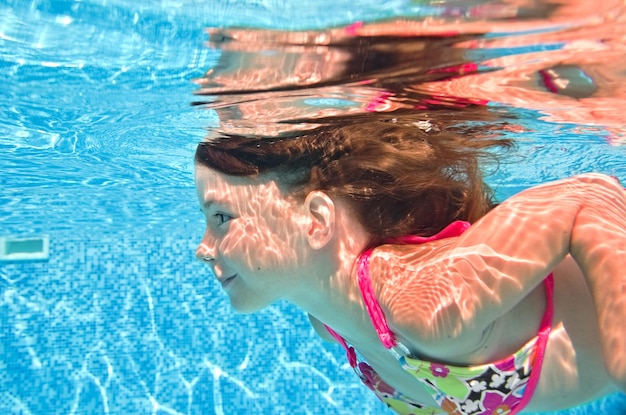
(349, 350)
(542, 342)
(376, 313)
(388, 339)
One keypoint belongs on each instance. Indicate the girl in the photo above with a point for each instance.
(366, 228)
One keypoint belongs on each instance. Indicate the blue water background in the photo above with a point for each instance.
(96, 143)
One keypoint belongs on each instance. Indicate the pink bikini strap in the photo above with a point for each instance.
(542, 342)
(349, 350)
(454, 229)
(371, 303)
(388, 339)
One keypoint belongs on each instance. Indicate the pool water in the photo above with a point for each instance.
(103, 309)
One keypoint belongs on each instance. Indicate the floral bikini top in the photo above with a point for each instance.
(502, 387)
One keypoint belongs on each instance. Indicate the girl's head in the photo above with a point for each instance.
(397, 177)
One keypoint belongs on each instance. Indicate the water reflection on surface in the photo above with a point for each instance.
(470, 63)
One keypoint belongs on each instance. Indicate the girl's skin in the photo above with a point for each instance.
(466, 300)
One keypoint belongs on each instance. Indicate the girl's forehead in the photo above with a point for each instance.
(215, 186)
(211, 179)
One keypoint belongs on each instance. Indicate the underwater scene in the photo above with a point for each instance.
(104, 308)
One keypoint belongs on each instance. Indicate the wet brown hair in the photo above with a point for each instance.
(399, 177)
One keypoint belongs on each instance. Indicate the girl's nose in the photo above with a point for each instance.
(206, 252)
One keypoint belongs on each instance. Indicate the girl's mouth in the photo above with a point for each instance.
(226, 281)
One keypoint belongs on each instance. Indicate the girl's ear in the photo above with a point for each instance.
(321, 211)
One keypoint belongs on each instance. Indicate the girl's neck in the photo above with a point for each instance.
(331, 294)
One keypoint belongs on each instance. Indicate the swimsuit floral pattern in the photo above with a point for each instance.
(495, 388)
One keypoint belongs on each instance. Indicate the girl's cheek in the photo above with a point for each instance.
(247, 242)
(233, 239)
(257, 244)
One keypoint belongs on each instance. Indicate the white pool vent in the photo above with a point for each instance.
(34, 248)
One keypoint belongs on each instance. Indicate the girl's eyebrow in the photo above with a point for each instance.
(209, 202)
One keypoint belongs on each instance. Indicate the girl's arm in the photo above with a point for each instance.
(463, 286)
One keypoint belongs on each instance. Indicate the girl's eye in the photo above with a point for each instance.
(221, 218)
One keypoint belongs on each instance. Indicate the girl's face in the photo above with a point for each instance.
(254, 238)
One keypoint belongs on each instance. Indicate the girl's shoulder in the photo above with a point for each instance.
(418, 295)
